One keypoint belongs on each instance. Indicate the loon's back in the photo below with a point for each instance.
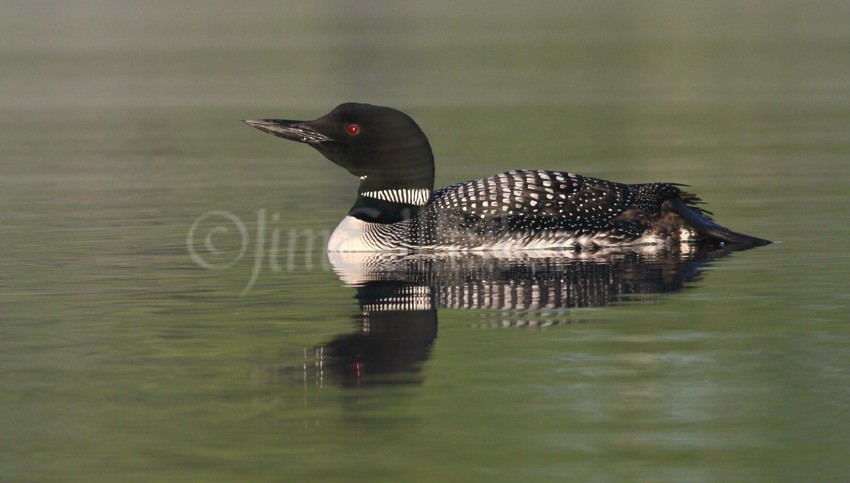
(524, 209)
(396, 208)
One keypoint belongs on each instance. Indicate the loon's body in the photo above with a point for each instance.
(397, 208)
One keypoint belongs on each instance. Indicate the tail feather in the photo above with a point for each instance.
(700, 221)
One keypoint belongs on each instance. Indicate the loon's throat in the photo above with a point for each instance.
(389, 205)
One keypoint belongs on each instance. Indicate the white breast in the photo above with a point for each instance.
(353, 235)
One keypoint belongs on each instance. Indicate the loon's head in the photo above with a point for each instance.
(382, 146)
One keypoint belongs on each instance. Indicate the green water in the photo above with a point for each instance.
(123, 359)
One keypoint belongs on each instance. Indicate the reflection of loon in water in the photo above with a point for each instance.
(399, 295)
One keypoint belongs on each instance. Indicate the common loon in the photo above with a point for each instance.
(397, 208)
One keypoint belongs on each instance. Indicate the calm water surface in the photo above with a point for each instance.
(126, 355)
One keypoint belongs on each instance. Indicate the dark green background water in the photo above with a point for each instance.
(122, 359)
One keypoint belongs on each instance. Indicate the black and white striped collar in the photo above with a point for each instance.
(407, 196)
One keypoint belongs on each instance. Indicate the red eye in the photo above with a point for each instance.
(352, 129)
